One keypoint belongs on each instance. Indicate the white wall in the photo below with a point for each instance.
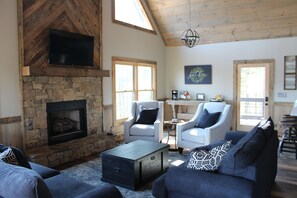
(221, 57)
(127, 42)
(10, 104)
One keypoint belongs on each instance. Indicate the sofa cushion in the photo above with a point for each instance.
(147, 116)
(65, 187)
(104, 191)
(207, 119)
(208, 160)
(183, 182)
(19, 155)
(242, 154)
(9, 157)
(17, 181)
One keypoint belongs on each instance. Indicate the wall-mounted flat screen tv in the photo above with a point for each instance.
(67, 48)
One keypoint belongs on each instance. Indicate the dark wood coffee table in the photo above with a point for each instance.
(134, 164)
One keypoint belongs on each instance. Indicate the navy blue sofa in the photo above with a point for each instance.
(31, 180)
(248, 170)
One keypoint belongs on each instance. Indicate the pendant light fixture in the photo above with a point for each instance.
(190, 37)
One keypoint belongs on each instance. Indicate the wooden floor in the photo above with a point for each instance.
(286, 179)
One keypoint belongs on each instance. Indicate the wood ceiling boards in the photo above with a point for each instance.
(225, 20)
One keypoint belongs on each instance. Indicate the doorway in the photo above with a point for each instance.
(253, 89)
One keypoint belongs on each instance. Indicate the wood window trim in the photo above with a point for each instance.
(130, 25)
(133, 62)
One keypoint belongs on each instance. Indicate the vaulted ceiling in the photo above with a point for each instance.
(225, 20)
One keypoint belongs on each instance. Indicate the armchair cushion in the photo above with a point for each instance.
(142, 130)
(193, 135)
(207, 119)
(208, 160)
(147, 116)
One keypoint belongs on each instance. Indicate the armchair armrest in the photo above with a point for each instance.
(158, 130)
(182, 127)
(185, 126)
(214, 133)
(127, 125)
(130, 121)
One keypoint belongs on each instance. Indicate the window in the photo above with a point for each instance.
(132, 80)
(131, 13)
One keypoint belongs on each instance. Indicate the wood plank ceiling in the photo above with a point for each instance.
(225, 20)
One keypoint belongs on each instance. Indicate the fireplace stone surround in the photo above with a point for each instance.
(40, 90)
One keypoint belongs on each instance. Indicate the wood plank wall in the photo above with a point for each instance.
(83, 17)
(11, 131)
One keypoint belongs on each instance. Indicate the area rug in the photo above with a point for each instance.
(90, 172)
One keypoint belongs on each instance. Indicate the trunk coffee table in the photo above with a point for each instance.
(134, 164)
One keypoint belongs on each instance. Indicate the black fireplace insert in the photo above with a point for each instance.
(66, 121)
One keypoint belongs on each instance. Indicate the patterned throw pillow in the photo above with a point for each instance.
(9, 157)
(208, 160)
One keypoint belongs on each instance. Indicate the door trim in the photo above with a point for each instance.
(270, 62)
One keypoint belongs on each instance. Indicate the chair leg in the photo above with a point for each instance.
(296, 150)
(281, 143)
(180, 150)
(168, 137)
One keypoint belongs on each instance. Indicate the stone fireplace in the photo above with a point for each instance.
(66, 121)
(42, 92)
(39, 91)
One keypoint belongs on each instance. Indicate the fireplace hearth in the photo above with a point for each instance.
(66, 121)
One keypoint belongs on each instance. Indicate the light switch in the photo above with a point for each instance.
(282, 94)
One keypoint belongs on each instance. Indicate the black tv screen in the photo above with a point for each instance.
(67, 48)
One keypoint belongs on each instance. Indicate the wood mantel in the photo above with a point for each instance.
(64, 71)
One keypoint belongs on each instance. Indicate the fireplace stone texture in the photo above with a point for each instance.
(40, 90)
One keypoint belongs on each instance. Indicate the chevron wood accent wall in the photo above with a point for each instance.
(78, 16)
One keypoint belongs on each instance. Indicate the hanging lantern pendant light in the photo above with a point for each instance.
(190, 37)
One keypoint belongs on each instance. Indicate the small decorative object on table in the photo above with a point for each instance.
(200, 96)
(217, 98)
(185, 96)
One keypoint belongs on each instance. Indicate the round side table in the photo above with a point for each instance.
(171, 129)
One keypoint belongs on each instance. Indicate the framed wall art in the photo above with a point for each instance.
(198, 74)
(290, 63)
